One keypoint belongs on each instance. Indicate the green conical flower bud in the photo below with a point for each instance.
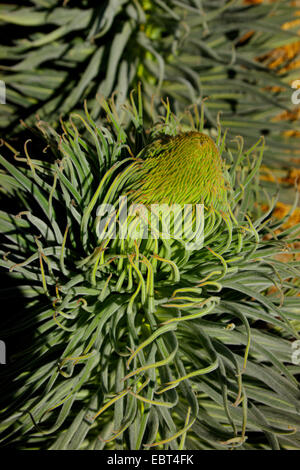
(184, 169)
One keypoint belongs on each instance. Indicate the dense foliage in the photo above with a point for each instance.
(149, 343)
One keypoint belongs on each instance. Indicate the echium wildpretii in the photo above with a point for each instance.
(127, 343)
(182, 169)
(172, 175)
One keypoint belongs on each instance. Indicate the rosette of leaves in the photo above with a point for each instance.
(144, 343)
(54, 55)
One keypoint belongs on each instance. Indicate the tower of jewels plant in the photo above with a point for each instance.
(156, 342)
